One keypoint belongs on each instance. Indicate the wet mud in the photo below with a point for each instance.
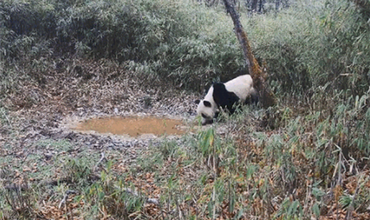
(132, 126)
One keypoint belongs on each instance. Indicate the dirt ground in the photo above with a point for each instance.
(78, 90)
(36, 132)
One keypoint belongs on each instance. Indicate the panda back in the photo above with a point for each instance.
(241, 86)
(224, 98)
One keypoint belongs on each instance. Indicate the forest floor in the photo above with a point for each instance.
(88, 90)
(36, 132)
(42, 155)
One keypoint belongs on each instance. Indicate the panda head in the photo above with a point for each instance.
(207, 110)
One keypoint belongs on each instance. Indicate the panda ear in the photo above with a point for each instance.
(207, 103)
(197, 101)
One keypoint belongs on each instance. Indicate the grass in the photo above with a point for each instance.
(300, 169)
(54, 179)
(305, 158)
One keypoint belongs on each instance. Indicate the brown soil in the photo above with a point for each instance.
(37, 112)
(132, 126)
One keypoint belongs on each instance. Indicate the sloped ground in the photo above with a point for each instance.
(88, 90)
(48, 171)
(36, 139)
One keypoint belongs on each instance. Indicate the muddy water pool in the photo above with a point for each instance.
(132, 126)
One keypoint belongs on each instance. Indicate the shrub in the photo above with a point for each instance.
(312, 44)
(189, 43)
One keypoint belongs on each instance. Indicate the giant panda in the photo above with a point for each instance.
(226, 95)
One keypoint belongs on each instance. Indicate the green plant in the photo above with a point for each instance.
(292, 40)
(290, 210)
(19, 201)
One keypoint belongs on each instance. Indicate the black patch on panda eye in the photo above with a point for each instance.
(204, 116)
(207, 104)
(197, 101)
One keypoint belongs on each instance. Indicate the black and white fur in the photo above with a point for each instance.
(226, 95)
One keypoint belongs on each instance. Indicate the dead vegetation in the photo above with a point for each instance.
(39, 152)
(305, 158)
(229, 171)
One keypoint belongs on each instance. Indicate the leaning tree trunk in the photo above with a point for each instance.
(267, 98)
(254, 5)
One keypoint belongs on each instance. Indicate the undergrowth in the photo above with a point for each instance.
(319, 43)
(294, 167)
(304, 158)
(310, 166)
(183, 41)
(308, 45)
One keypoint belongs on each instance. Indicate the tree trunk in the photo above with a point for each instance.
(277, 5)
(254, 5)
(364, 6)
(267, 98)
(260, 7)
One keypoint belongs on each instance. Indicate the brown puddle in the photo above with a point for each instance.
(132, 126)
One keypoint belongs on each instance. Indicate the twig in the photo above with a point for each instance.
(148, 200)
(22, 187)
(15, 187)
(65, 197)
(214, 183)
(6, 117)
(178, 209)
(351, 206)
(338, 168)
(101, 159)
